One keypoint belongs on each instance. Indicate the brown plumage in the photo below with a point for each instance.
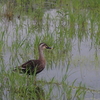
(34, 66)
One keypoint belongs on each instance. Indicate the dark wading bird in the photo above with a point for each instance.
(32, 67)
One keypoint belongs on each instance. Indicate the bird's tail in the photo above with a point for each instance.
(18, 69)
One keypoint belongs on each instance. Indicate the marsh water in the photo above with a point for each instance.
(82, 57)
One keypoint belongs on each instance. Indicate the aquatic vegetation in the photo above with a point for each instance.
(71, 28)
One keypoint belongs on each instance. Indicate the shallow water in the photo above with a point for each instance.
(84, 63)
(83, 68)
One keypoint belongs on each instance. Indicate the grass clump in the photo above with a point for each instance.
(17, 86)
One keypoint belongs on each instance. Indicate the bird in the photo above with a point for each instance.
(33, 67)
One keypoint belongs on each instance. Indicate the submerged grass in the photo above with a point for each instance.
(16, 86)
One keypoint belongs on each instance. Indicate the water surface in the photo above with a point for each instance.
(84, 56)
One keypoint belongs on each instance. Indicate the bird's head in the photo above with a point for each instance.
(44, 46)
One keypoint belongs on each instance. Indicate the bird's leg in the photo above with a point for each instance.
(34, 79)
(27, 80)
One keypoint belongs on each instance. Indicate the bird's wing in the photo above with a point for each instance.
(30, 64)
(29, 67)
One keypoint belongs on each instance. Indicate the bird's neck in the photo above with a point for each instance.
(41, 55)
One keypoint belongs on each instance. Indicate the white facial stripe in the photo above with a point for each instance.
(41, 44)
